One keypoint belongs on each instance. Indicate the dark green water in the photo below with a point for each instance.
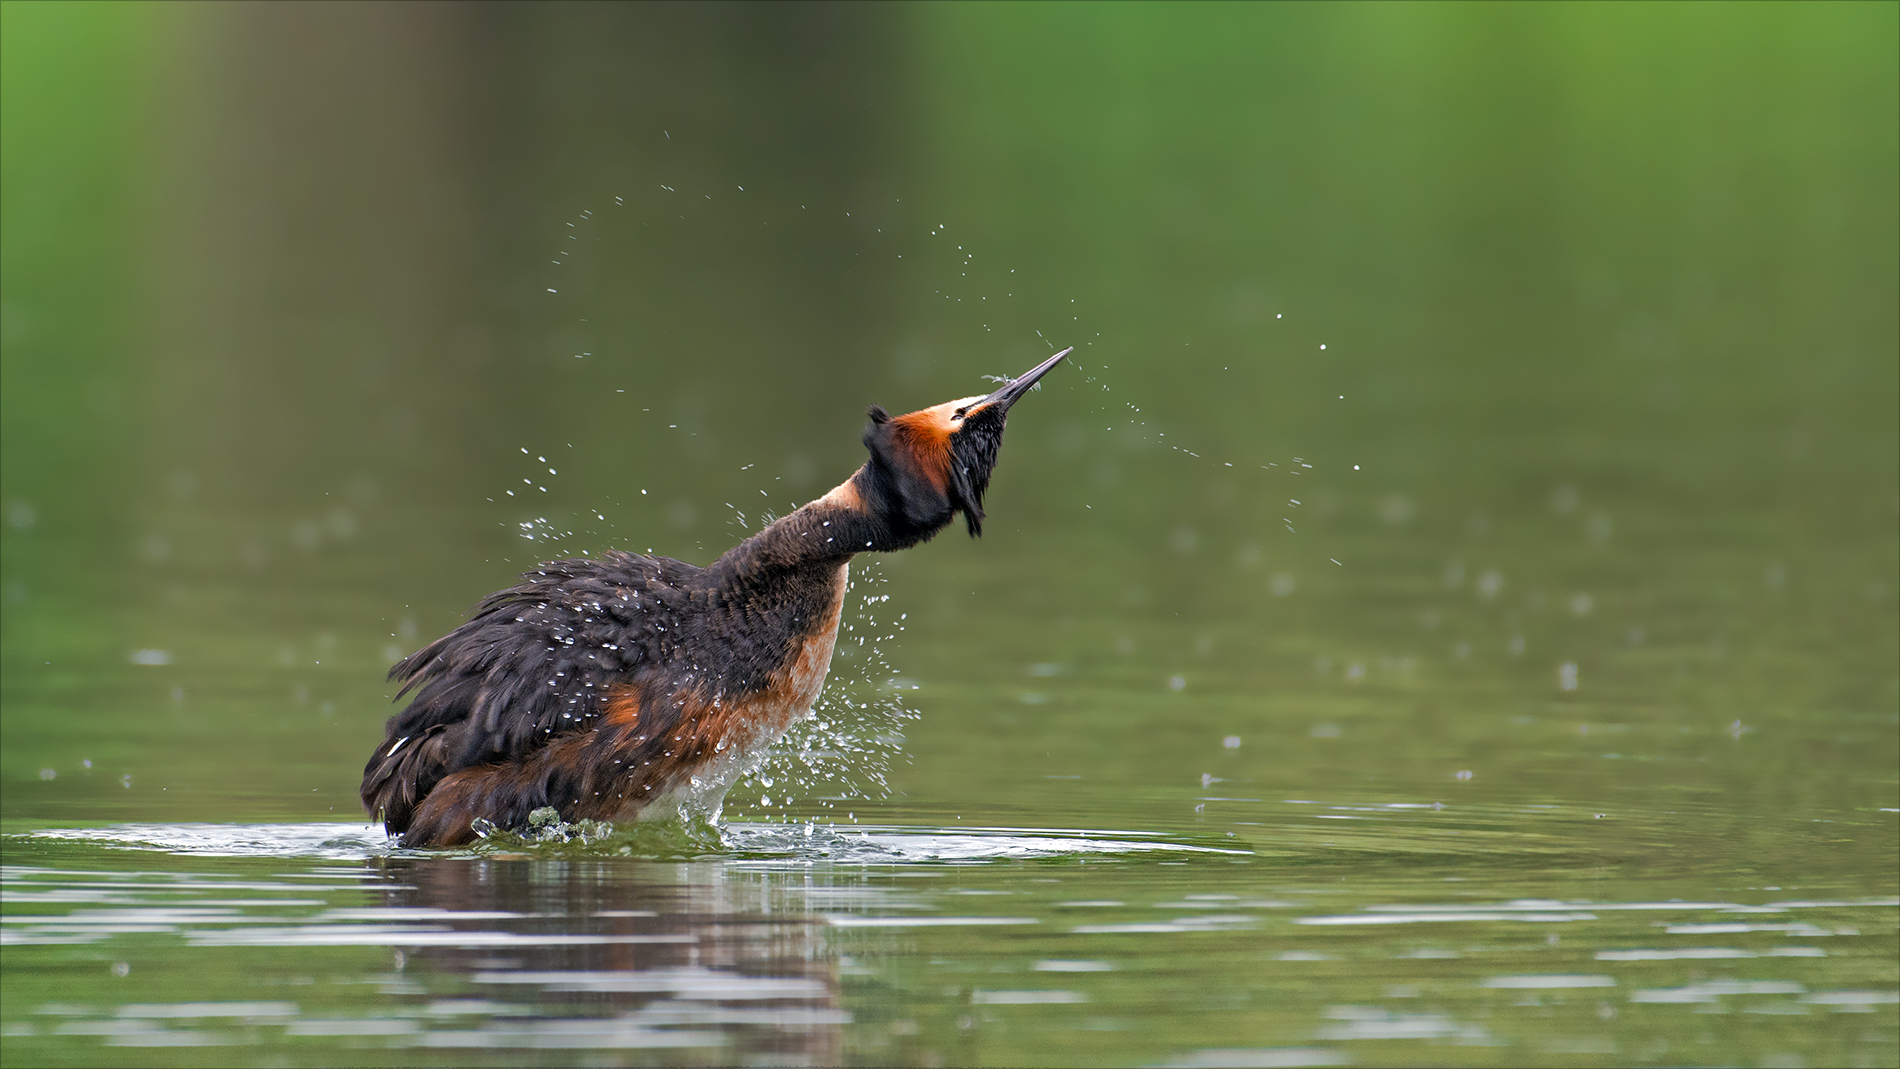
(1444, 614)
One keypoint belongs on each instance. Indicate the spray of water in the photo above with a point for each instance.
(843, 751)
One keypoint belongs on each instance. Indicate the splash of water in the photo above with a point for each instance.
(690, 834)
(844, 750)
(787, 842)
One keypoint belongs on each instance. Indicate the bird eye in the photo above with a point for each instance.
(958, 414)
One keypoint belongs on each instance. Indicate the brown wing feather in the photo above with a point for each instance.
(532, 665)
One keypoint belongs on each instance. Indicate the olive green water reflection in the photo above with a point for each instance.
(1586, 601)
(1190, 959)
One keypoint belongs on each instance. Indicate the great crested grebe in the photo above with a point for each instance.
(605, 688)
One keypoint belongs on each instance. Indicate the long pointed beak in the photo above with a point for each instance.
(1015, 388)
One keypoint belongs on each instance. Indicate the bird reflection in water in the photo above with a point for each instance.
(582, 954)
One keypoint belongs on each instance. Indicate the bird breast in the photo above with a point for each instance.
(730, 733)
(792, 690)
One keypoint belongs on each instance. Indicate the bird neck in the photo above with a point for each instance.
(825, 533)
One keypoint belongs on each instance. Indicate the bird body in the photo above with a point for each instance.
(621, 687)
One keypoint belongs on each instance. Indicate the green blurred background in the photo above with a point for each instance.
(1583, 315)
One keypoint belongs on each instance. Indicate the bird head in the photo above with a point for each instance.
(930, 464)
